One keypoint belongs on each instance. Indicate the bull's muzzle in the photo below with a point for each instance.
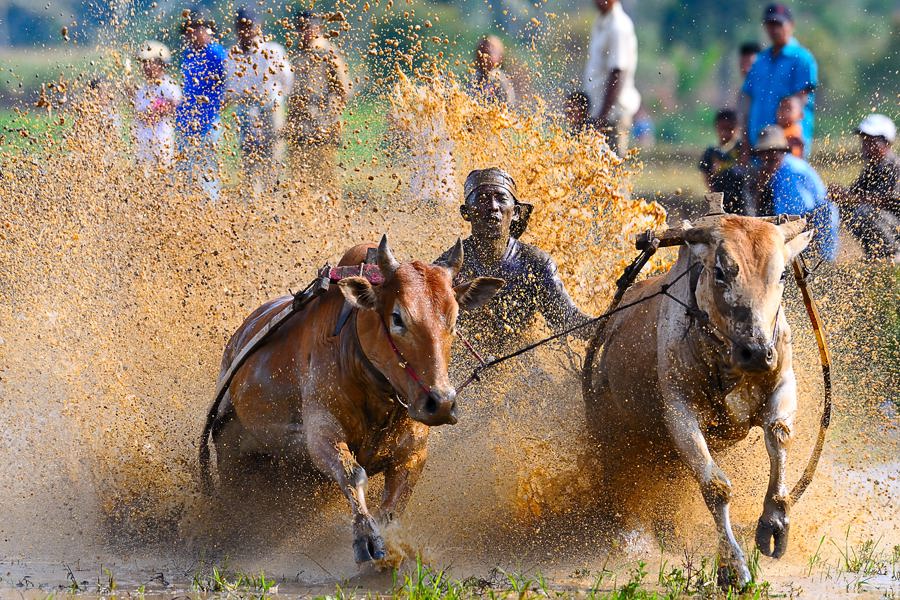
(438, 407)
(755, 357)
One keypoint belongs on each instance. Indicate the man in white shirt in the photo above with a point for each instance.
(609, 74)
(259, 79)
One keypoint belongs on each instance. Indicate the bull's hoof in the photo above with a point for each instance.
(368, 548)
(733, 577)
(772, 536)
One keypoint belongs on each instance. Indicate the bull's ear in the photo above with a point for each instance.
(358, 292)
(478, 292)
(798, 244)
(699, 250)
(454, 261)
(792, 229)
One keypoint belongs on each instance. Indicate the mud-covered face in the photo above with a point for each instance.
(490, 210)
(779, 32)
(745, 267)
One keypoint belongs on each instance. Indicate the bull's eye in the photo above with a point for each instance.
(397, 320)
(783, 276)
(719, 274)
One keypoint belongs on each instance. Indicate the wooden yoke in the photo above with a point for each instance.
(676, 235)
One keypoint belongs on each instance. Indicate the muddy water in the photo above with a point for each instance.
(119, 290)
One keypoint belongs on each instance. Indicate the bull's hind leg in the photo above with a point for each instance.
(330, 454)
(714, 485)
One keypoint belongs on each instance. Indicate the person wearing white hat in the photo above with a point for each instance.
(154, 108)
(873, 200)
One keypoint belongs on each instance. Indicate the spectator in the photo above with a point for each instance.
(747, 54)
(873, 200)
(577, 112)
(259, 80)
(643, 130)
(154, 107)
(197, 116)
(317, 102)
(721, 167)
(785, 69)
(788, 118)
(490, 82)
(789, 185)
(609, 73)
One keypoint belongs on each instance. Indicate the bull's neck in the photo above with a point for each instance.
(357, 364)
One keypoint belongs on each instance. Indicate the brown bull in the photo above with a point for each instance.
(348, 403)
(671, 384)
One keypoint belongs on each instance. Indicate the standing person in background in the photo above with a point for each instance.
(490, 82)
(197, 117)
(609, 74)
(790, 186)
(784, 69)
(317, 100)
(259, 80)
(747, 54)
(720, 164)
(873, 201)
(154, 108)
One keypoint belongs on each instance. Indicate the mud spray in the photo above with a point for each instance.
(119, 289)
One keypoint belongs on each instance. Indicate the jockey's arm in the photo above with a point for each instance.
(557, 306)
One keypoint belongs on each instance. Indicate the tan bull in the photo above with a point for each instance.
(356, 402)
(674, 385)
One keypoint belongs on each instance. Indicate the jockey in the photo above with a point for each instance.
(497, 219)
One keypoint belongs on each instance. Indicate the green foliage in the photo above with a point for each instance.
(225, 581)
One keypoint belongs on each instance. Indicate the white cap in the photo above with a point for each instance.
(153, 50)
(878, 126)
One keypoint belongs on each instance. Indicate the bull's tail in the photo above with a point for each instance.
(204, 456)
(825, 358)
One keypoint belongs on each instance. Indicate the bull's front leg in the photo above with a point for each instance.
(403, 471)
(327, 445)
(773, 526)
(688, 439)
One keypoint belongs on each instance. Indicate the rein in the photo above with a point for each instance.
(403, 362)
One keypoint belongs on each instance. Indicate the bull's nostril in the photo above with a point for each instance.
(453, 407)
(746, 354)
(431, 405)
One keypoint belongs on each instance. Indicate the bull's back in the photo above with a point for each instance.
(268, 388)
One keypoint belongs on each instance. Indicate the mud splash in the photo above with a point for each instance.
(119, 290)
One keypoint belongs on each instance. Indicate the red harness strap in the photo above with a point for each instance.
(403, 362)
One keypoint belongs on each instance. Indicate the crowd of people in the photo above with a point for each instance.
(760, 160)
(283, 103)
(288, 108)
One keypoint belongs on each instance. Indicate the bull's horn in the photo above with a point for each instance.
(698, 235)
(386, 261)
(454, 260)
(792, 229)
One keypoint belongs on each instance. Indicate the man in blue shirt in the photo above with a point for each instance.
(784, 69)
(197, 117)
(790, 186)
